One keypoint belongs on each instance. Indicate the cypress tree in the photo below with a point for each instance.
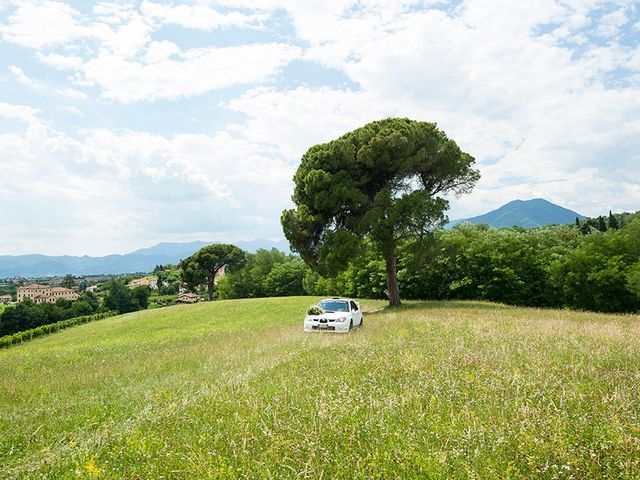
(613, 221)
(601, 225)
(577, 222)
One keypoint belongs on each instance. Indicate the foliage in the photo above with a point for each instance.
(24, 336)
(265, 273)
(235, 389)
(169, 279)
(123, 299)
(383, 182)
(27, 315)
(545, 267)
(8, 289)
(68, 281)
(286, 279)
(315, 310)
(613, 221)
(203, 266)
(599, 273)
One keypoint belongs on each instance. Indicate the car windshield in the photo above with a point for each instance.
(334, 305)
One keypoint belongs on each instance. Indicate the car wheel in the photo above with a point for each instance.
(361, 321)
(351, 325)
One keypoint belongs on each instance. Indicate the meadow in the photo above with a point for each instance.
(236, 389)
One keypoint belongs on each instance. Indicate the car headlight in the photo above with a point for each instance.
(341, 319)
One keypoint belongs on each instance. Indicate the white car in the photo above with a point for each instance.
(340, 315)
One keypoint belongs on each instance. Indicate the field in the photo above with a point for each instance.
(236, 389)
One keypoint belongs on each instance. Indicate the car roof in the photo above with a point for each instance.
(335, 298)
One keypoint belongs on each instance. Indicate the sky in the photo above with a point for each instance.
(127, 123)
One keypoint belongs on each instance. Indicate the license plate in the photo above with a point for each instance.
(323, 327)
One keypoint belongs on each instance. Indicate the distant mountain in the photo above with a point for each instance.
(172, 249)
(142, 260)
(524, 213)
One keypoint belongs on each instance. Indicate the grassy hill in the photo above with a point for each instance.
(235, 388)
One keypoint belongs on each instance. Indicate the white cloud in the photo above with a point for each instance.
(61, 62)
(23, 113)
(121, 58)
(22, 77)
(113, 12)
(611, 23)
(40, 24)
(199, 16)
(288, 120)
(111, 187)
(19, 74)
(196, 71)
(73, 93)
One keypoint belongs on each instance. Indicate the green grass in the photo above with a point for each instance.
(236, 389)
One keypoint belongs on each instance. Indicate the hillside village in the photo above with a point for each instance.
(50, 291)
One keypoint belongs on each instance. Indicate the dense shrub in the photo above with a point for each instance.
(123, 299)
(265, 273)
(20, 337)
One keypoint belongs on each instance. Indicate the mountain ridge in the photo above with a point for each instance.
(536, 212)
(140, 260)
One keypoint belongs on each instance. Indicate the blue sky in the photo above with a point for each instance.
(125, 123)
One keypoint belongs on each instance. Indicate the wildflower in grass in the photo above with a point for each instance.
(92, 469)
(89, 470)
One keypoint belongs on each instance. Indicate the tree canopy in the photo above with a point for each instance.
(68, 281)
(383, 181)
(203, 266)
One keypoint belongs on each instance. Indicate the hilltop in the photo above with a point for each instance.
(537, 212)
(232, 388)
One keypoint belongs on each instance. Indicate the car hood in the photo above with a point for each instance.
(330, 316)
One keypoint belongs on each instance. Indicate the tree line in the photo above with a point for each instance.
(117, 298)
(555, 266)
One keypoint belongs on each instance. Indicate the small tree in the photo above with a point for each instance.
(141, 296)
(203, 266)
(380, 181)
(68, 281)
(119, 298)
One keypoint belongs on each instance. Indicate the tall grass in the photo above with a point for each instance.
(235, 389)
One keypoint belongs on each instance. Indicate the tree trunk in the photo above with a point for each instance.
(392, 281)
(210, 287)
